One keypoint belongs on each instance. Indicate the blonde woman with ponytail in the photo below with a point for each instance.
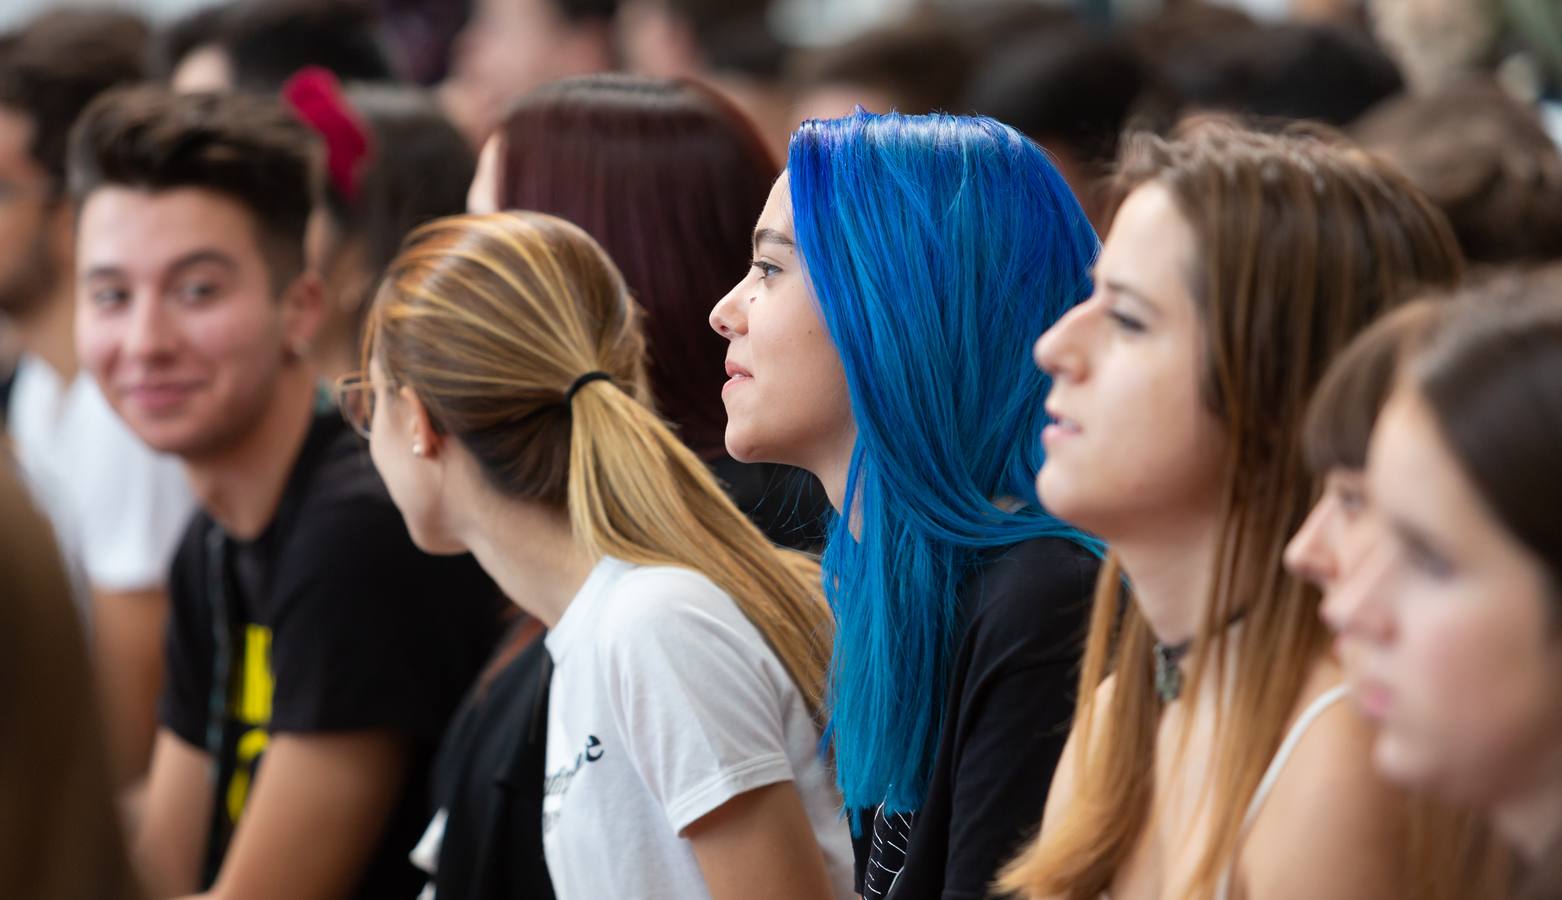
(504, 403)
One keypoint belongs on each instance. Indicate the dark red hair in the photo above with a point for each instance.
(668, 177)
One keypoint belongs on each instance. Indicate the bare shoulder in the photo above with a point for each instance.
(1331, 826)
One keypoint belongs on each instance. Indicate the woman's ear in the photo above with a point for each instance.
(420, 428)
(302, 310)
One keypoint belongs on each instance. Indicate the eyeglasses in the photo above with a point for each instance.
(355, 398)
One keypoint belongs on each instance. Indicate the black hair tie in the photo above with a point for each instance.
(582, 381)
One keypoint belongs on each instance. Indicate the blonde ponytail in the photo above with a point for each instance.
(492, 320)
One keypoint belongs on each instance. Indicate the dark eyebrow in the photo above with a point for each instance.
(196, 257)
(761, 235)
(192, 258)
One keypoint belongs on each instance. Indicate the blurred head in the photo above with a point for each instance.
(511, 47)
(876, 342)
(417, 169)
(60, 831)
(667, 177)
(913, 67)
(191, 297)
(1237, 268)
(482, 327)
(1457, 610)
(1339, 423)
(49, 72)
(1487, 162)
(1322, 73)
(255, 46)
(1074, 92)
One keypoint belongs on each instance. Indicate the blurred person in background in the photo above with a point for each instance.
(117, 507)
(393, 162)
(912, 66)
(667, 176)
(1453, 615)
(313, 654)
(510, 47)
(257, 45)
(1074, 91)
(1485, 159)
(1321, 73)
(59, 831)
(725, 44)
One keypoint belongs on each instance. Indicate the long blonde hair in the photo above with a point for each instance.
(490, 320)
(1301, 243)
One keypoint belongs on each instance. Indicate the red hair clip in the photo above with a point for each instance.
(316, 97)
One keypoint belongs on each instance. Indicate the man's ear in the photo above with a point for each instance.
(424, 436)
(303, 308)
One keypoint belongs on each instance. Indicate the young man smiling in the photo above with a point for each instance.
(313, 653)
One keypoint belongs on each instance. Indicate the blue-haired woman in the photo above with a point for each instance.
(879, 340)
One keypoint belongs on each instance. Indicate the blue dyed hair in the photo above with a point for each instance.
(938, 247)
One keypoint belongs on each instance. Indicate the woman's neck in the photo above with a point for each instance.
(530, 552)
(1172, 576)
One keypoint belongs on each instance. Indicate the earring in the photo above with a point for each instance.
(417, 448)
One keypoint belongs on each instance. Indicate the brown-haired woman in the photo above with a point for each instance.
(1210, 757)
(59, 832)
(507, 373)
(667, 176)
(1453, 617)
(1452, 846)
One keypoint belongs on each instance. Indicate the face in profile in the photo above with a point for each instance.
(786, 393)
(1132, 445)
(410, 462)
(1459, 656)
(28, 221)
(1331, 541)
(177, 317)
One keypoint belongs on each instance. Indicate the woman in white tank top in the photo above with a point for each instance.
(1454, 619)
(1211, 756)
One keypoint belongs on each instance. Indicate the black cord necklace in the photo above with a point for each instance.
(1168, 657)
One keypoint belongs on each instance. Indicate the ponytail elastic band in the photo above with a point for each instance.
(582, 381)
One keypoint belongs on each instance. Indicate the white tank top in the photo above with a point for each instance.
(1276, 766)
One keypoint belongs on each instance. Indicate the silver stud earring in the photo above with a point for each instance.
(417, 448)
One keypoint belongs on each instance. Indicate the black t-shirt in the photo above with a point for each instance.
(488, 777)
(330, 621)
(1007, 715)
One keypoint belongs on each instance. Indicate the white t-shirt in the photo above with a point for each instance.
(666, 703)
(118, 509)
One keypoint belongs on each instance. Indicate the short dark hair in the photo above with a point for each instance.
(1485, 159)
(247, 148)
(922, 63)
(585, 10)
(267, 41)
(52, 69)
(1074, 87)
(1320, 73)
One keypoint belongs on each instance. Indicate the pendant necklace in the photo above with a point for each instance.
(1168, 657)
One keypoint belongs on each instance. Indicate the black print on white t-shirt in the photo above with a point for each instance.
(887, 856)
(557, 782)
